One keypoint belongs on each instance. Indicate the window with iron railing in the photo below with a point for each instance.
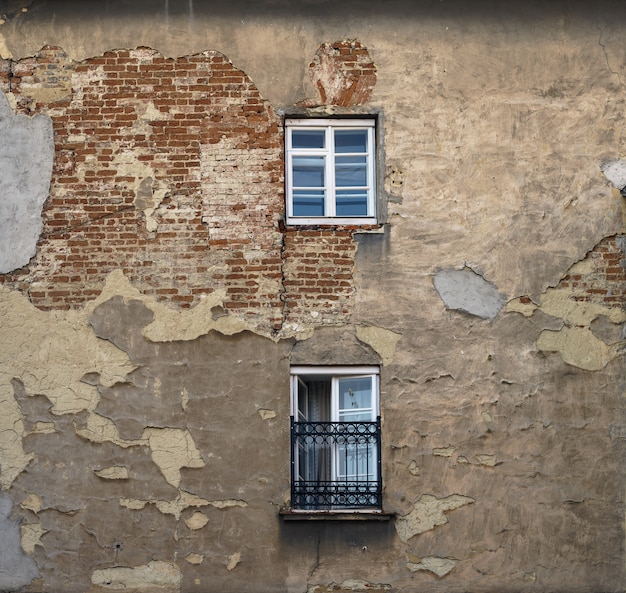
(335, 439)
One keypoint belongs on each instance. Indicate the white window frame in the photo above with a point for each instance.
(334, 374)
(329, 126)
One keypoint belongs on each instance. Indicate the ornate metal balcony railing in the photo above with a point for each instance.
(335, 465)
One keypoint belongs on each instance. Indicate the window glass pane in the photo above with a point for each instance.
(351, 171)
(356, 462)
(350, 141)
(355, 393)
(308, 203)
(351, 203)
(308, 171)
(307, 138)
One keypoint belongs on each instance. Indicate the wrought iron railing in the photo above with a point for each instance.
(335, 465)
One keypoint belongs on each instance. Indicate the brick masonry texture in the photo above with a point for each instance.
(172, 170)
(343, 73)
(604, 283)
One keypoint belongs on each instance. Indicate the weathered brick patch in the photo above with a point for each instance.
(171, 170)
(603, 280)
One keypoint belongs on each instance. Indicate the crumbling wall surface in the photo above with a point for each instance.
(184, 157)
(146, 338)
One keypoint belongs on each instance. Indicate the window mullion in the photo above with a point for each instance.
(371, 173)
(331, 201)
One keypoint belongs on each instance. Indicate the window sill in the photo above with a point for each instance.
(363, 515)
(330, 221)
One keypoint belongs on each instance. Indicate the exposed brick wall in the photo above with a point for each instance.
(172, 171)
(605, 283)
(319, 275)
(343, 73)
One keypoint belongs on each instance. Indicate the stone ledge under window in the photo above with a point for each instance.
(291, 515)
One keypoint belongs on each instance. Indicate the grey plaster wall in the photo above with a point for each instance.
(16, 568)
(26, 154)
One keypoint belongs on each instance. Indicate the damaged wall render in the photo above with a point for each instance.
(153, 299)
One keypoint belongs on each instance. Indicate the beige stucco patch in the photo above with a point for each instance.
(154, 577)
(172, 449)
(383, 341)
(48, 353)
(31, 536)
(428, 512)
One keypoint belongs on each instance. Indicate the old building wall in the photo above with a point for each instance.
(152, 297)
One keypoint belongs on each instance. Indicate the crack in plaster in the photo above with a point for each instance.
(606, 55)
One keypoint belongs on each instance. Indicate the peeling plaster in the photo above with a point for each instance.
(383, 341)
(428, 513)
(31, 534)
(31, 503)
(170, 324)
(99, 429)
(414, 468)
(197, 521)
(5, 53)
(349, 586)
(267, 414)
(148, 197)
(591, 334)
(486, 459)
(183, 500)
(154, 577)
(575, 341)
(115, 472)
(172, 449)
(194, 558)
(444, 451)
(438, 566)
(49, 354)
(579, 347)
(233, 561)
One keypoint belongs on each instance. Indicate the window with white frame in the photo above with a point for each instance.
(335, 439)
(330, 171)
